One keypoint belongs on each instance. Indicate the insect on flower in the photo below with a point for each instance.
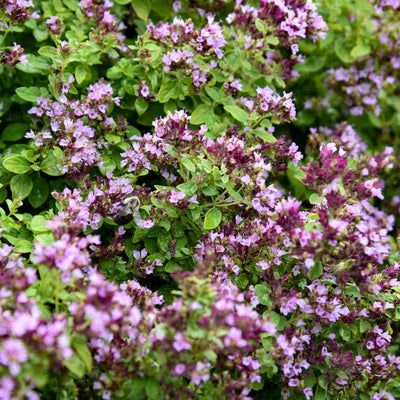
(128, 211)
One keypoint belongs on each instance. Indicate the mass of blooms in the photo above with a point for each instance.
(199, 200)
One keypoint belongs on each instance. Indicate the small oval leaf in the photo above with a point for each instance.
(28, 93)
(21, 186)
(212, 218)
(39, 193)
(14, 132)
(17, 164)
(237, 113)
(316, 271)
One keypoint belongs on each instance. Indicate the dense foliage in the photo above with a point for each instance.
(261, 141)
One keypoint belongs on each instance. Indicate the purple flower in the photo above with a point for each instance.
(54, 24)
(181, 343)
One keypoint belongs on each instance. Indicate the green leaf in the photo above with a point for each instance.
(170, 89)
(108, 164)
(237, 113)
(265, 135)
(311, 64)
(48, 51)
(142, 8)
(46, 239)
(40, 35)
(364, 326)
(196, 213)
(39, 375)
(81, 74)
(14, 132)
(216, 174)
(161, 7)
(212, 218)
(17, 164)
(3, 194)
(315, 199)
(152, 389)
(38, 224)
(316, 270)
(257, 385)
(234, 59)
(230, 188)
(28, 93)
(214, 93)
(134, 389)
(71, 4)
(201, 114)
(36, 64)
(21, 186)
(345, 333)
(260, 289)
(343, 50)
(210, 191)
(39, 193)
(141, 105)
(360, 50)
(352, 290)
(163, 240)
(165, 224)
(320, 394)
(170, 106)
(260, 25)
(23, 246)
(188, 164)
(211, 355)
(51, 166)
(374, 119)
(242, 281)
(310, 381)
(189, 188)
(272, 40)
(75, 365)
(79, 344)
(171, 266)
(280, 81)
(206, 165)
(266, 123)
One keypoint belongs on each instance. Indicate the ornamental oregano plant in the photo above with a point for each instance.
(252, 148)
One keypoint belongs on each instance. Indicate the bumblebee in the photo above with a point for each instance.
(128, 211)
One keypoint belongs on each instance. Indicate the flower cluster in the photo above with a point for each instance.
(14, 56)
(162, 236)
(229, 150)
(144, 91)
(187, 44)
(54, 24)
(102, 200)
(380, 4)
(25, 334)
(362, 84)
(106, 26)
(268, 103)
(73, 126)
(209, 40)
(288, 21)
(18, 11)
(362, 177)
(309, 261)
(222, 312)
(14, 13)
(209, 331)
